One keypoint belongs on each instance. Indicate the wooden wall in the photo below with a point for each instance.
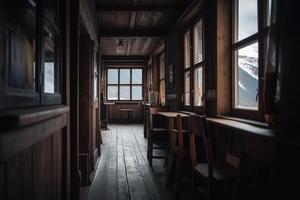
(35, 173)
(34, 155)
(114, 114)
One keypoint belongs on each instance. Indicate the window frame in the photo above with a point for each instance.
(261, 38)
(130, 84)
(193, 67)
(16, 97)
(56, 97)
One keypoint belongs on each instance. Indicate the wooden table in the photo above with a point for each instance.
(170, 161)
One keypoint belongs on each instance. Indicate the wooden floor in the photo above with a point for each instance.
(123, 171)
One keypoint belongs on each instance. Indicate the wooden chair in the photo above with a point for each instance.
(216, 179)
(180, 149)
(158, 135)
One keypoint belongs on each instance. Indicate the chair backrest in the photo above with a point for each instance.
(155, 111)
(196, 137)
(208, 145)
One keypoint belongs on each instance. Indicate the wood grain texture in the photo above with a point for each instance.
(34, 173)
(123, 171)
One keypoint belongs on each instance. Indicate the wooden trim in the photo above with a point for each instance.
(2, 36)
(13, 142)
(88, 21)
(12, 119)
(117, 32)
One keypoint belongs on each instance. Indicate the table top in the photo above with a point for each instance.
(172, 114)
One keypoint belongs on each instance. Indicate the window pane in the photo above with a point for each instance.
(198, 42)
(187, 88)
(112, 76)
(162, 66)
(95, 88)
(49, 77)
(269, 10)
(95, 77)
(112, 92)
(137, 93)
(124, 92)
(162, 90)
(198, 88)
(137, 76)
(124, 76)
(247, 19)
(187, 54)
(20, 44)
(246, 82)
(50, 61)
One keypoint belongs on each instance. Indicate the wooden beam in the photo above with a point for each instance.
(150, 8)
(133, 33)
(125, 58)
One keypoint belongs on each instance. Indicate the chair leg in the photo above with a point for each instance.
(193, 186)
(150, 154)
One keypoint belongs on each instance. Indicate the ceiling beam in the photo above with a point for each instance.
(133, 33)
(125, 58)
(149, 8)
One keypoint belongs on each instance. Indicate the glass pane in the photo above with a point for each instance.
(95, 88)
(20, 44)
(95, 77)
(137, 76)
(162, 66)
(162, 91)
(112, 76)
(198, 55)
(112, 93)
(187, 88)
(137, 93)
(187, 99)
(247, 19)
(49, 77)
(49, 62)
(269, 10)
(198, 88)
(187, 53)
(124, 92)
(124, 76)
(246, 83)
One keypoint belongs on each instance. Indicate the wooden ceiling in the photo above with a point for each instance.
(135, 27)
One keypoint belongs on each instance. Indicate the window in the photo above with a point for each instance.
(124, 84)
(193, 74)
(162, 79)
(248, 42)
(31, 50)
(95, 75)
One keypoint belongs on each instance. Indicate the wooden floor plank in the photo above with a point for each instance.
(123, 172)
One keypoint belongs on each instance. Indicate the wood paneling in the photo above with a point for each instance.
(114, 114)
(223, 75)
(34, 173)
(128, 46)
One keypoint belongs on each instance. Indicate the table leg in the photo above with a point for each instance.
(170, 162)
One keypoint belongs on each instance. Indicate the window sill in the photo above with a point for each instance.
(246, 121)
(16, 118)
(253, 128)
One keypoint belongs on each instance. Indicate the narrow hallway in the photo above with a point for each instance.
(123, 172)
